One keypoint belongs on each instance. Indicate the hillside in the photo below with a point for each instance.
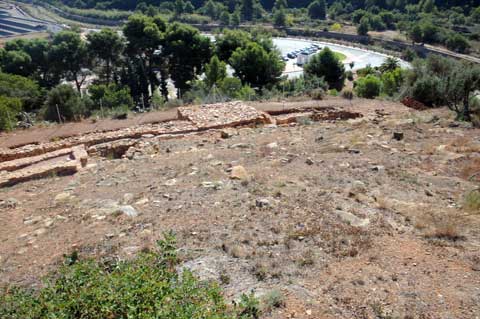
(372, 217)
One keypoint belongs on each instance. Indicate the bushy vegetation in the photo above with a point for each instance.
(148, 286)
(439, 81)
(327, 64)
(131, 71)
(448, 23)
(368, 87)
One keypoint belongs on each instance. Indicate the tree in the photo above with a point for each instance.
(225, 18)
(247, 9)
(363, 27)
(392, 81)
(280, 18)
(229, 41)
(236, 19)
(256, 66)
(416, 33)
(390, 64)
(460, 85)
(215, 71)
(327, 65)
(189, 8)
(16, 62)
(318, 10)
(107, 46)
(71, 57)
(187, 51)
(179, 7)
(62, 101)
(280, 4)
(144, 36)
(368, 87)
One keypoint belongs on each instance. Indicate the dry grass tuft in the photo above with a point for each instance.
(472, 201)
(447, 226)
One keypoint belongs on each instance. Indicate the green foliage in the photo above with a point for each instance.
(390, 64)
(392, 81)
(26, 90)
(110, 96)
(272, 299)
(363, 27)
(98, 14)
(256, 66)
(368, 87)
(230, 40)
(188, 52)
(457, 43)
(9, 110)
(215, 71)
(280, 18)
(426, 89)
(304, 84)
(107, 46)
(318, 10)
(70, 54)
(146, 287)
(63, 101)
(439, 81)
(327, 65)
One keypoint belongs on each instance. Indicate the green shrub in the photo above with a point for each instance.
(20, 87)
(146, 287)
(333, 92)
(368, 87)
(457, 43)
(273, 299)
(317, 94)
(427, 90)
(327, 65)
(65, 102)
(9, 110)
(392, 81)
(110, 96)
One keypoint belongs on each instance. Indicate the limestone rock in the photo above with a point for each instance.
(239, 173)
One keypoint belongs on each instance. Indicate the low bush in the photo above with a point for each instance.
(9, 110)
(64, 104)
(368, 87)
(317, 94)
(146, 287)
(347, 94)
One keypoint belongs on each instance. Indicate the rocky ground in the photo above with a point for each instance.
(365, 218)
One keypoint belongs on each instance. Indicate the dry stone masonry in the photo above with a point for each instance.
(69, 155)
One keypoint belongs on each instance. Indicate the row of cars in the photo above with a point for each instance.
(300, 54)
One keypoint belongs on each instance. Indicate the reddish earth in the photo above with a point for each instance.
(342, 219)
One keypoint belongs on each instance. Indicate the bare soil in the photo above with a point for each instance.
(344, 220)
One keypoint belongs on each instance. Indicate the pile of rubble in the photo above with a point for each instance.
(413, 104)
(222, 115)
(68, 155)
